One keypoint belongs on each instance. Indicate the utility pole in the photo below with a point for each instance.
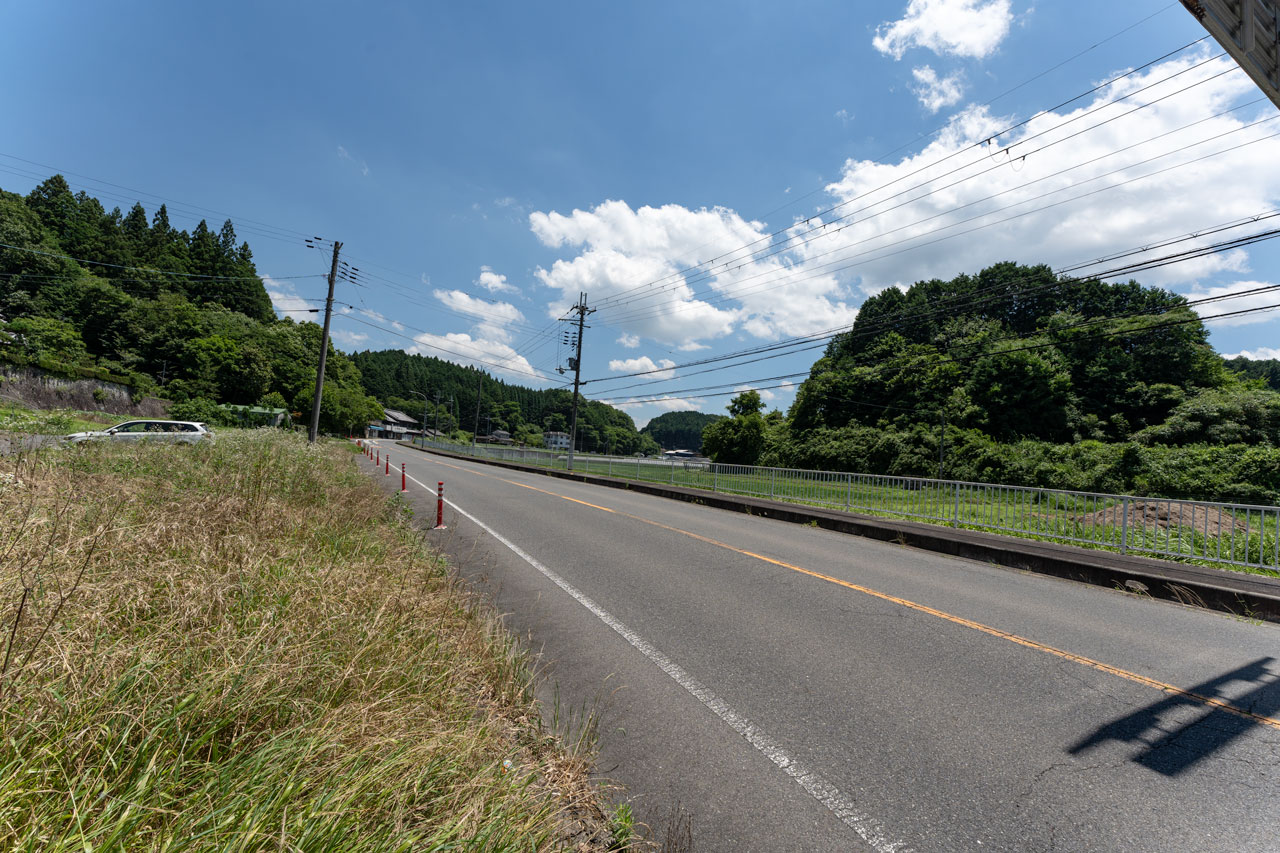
(324, 348)
(576, 363)
(942, 444)
(475, 431)
(424, 415)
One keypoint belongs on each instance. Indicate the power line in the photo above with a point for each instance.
(970, 301)
(1030, 347)
(913, 243)
(821, 230)
(252, 222)
(138, 269)
(718, 260)
(505, 367)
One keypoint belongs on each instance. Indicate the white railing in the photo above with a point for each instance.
(1228, 533)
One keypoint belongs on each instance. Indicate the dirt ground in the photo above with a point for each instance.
(1166, 515)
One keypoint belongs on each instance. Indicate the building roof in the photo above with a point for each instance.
(399, 416)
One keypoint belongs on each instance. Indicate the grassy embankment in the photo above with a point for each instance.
(245, 646)
(18, 419)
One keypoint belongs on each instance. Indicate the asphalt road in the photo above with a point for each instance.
(791, 688)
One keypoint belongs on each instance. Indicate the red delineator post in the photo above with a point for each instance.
(439, 506)
(403, 487)
(377, 460)
(388, 471)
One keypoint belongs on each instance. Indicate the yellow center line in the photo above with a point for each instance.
(941, 614)
(565, 497)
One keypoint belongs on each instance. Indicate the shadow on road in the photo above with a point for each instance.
(1171, 747)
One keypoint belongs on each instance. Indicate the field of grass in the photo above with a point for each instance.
(1245, 540)
(245, 646)
(19, 419)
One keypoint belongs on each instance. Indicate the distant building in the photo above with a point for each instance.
(498, 436)
(556, 440)
(394, 424)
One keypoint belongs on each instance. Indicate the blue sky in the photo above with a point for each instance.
(483, 162)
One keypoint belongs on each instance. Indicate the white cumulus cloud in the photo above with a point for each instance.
(494, 282)
(644, 364)
(1259, 354)
(765, 394)
(1064, 188)
(629, 341)
(666, 404)
(646, 267)
(496, 313)
(936, 92)
(349, 339)
(1246, 301)
(968, 28)
(485, 353)
(287, 302)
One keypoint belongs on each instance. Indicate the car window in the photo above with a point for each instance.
(132, 426)
(188, 428)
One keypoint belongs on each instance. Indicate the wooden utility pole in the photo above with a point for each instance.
(324, 348)
(576, 363)
(475, 432)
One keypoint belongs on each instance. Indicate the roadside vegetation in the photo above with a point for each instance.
(1019, 377)
(162, 312)
(20, 419)
(246, 646)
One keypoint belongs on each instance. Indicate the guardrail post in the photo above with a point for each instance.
(771, 478)
(955, 517)
(715, 477)
(673, 472)
(439, 506)
(1124, 527)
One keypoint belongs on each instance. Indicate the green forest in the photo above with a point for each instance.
(526, 413)
(679, 430)
(183, 316)
(1017, 376)
(1013, 375)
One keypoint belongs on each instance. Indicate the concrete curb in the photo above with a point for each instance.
(1239, 593)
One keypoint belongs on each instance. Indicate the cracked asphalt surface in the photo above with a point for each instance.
(936, 733)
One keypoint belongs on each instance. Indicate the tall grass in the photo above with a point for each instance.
(244, 646)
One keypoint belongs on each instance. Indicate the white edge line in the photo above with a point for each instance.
(813, 784)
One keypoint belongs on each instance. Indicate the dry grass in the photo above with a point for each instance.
(245, 647)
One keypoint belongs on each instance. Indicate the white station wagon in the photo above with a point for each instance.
(191, 432)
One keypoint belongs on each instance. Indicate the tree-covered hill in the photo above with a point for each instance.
(1015, 375)
(1268, 370)
(679, 430)
(393, 376)
(84, 291)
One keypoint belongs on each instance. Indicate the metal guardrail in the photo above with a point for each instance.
(1232, 534)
